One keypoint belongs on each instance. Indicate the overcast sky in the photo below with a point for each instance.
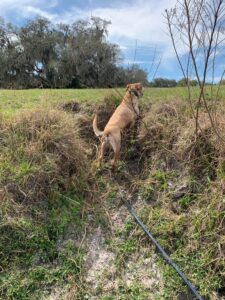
(138, 27)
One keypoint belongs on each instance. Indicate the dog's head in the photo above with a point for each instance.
(136, 89)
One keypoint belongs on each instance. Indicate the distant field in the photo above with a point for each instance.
(13, 100)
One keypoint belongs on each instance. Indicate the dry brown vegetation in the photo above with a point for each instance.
(48, 155)
(185, 186)
(45, 177)
(181, 178)
(47, 141)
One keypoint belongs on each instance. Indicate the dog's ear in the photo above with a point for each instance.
(128, 86)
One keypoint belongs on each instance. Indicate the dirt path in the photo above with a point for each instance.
(137, 277)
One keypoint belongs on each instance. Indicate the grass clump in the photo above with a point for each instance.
(183, 189)
(191, 231)
(41, 150)
(45, 180)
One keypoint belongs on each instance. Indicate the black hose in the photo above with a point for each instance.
(163, 253)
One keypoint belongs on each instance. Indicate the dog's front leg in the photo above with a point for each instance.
(137, 111)
(136, 108)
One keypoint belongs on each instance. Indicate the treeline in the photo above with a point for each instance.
(164, 82)
(42, 54)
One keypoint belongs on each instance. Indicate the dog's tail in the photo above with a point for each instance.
(97, 132)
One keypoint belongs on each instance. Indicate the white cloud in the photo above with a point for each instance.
(131, 62)
(31, 10)
(27, 8)
(123, 47)
(141, 20)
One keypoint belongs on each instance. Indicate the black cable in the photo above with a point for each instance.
(163, 253)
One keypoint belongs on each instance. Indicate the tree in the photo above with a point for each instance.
(9, 53)
(222, 82)
(93, 58)
(42, 54)
(198, 27)
(163, 82)
(39, 40)
(184, 83)
(136, 74)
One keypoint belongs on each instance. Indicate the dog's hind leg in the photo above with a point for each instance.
(115, 142)
(103, 149)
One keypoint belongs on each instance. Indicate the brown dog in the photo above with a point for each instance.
(124, 116)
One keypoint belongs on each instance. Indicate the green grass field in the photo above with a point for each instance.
(13, 100)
